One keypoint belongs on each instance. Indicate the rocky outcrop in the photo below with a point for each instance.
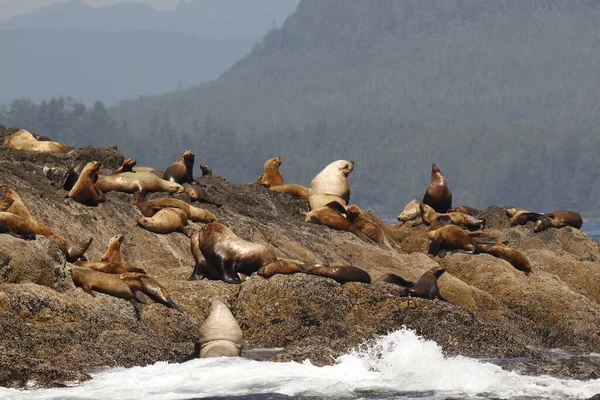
(52, 332)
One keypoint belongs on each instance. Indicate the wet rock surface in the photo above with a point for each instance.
(52, 332)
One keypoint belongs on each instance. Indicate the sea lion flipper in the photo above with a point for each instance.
(229, 272)
(139, 296)
(337, 206)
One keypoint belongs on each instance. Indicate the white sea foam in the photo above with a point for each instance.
(398, 363)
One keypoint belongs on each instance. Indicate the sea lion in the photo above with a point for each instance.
(85, 190)
(138, 183)
(411, 211)
(24, 140)
(427, 287)
(206, 171)
(341, 274)
(16, 226)
(395, 279)
(166, 220)
(71, 176)
(151, 207)
(514, 257)
(456, 239)
(521, 216)
(227, 254)
(220, 334)
(271, 175)
(108, 267)
(281, 267)
(363, 225)
(78, 250)
(558, 219)
(465, 209)
(113, 253)
(292, 188)
(435, 220)
(109, 284)
(198, 193)
(181, 170)
(331, 215)
(331, 184)
(5, 204)
(127, 166)
(150, 287)
(438, 195)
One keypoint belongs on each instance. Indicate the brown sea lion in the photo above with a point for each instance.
(71, 176)
(227, 254)
(85, 190)
(341, 274)
(514, 257)
(292, 188)
(150, 287)
(24, 140)
(438, 195)
(271, 175)
(435, 220)
(108, 267)
(151, 207)
(456, 239)
(113, 253)
(465, 209)
(138, 183)
(331, 184)
(558, 219)
(78, 250)
(16, 226)
(331, 215)
(182, 169)
(220, 334)
(411, 211)
(198, 193)
(362, 224)
(427, 287)
(206, 171)
(521, 216)
(127, 166)
(166, 220)
(281, 267)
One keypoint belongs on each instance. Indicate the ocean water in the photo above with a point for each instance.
(400, 365)
(592, 228)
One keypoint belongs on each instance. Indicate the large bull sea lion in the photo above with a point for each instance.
(331, 184)
(438, 195)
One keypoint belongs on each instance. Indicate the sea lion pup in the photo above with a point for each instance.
(292, 188)
(271, 175)
(435, 220)
(24, 140)
(138, 183)
(521, 216)
(78, 250)
(71, 176)
(206, 170)
(438, 195)
(332, 216)
(150, 287)
(362, 224)
(456, 239)
(127, 166)
(558, 219)
(166, 220)
(108, 267)
(85, 190)
(198, 193)
(514, 257)
(181, 170)
(411, 211)
(151, 207)
(331, 185)
(341, 274)
(465, 209)
(427, 287)
(228, 255)
(220, 334)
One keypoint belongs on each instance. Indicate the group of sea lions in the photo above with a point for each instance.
(220, 254)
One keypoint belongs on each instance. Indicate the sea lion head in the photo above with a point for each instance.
(438, 271)
(353, 212)
(117, 239)
(206, 170)
(272, 163)
(129, 162)
(436, 174)
(343, 166)
(512, 211)
(427, 212)
(188, 156)
(410, 212)
(91, 167)
(432, 235)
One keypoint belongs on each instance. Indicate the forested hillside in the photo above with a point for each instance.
(501, 94)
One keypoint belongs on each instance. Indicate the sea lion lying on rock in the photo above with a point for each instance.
(294, 189)
(411, 211)
(456, 239)
(138, 183)
(333, 216)
(151, 207)
(166, 220)
(558, 219)
(435, 220)
(24, 140)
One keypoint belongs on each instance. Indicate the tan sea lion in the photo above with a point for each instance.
(558, 219)
(166, 220)
(85, 190)
(195, 214)
(438, 195)
(78, 250)
(5, 204)
(341, 274)
(138, 183)
(427, 287)
(182, 169)
(331, 184)
(292, 188)
(228, 255)
(411, 211)
(331, 215)
(109, 284)
(127, 166)
(435, 220)
(206, 171)
(521, 216)
(456, 239)
(108, 267)
(24, 140)
(113, 253)
(271, 175)
(150, 287)
(281, 267)
(362, 224)
(16, 226)
(465, 209)
(220, 334)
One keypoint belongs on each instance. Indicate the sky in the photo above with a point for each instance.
(10, 8)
